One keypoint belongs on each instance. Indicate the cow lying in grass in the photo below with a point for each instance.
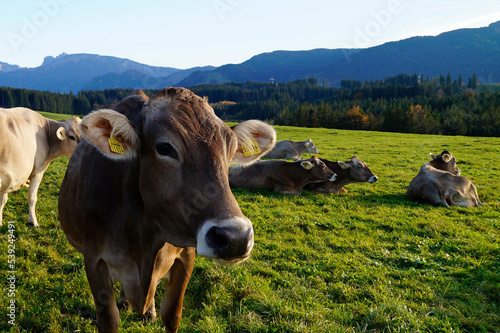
(352, 171)
(280, 176)
(439, 183)
(288, 150)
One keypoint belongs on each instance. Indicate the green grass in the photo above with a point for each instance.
(365, 261)
(55, 116)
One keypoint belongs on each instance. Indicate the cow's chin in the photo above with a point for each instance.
(234, 261)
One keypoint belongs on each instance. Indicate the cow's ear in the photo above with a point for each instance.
(255, 138)
(433, 156)
(307, 165)
(61, 133)
(344, 165)
(446, 157)
(111, 133)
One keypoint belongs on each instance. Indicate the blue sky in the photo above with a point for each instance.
(188, 33)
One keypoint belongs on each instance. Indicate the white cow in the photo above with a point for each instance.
(28, 143)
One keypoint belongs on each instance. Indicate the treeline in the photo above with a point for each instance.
(404, 103)
(75, 104)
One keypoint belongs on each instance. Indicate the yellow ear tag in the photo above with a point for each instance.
(115, 145)
(253, 149)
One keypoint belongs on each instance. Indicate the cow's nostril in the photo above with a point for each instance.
(217, 238)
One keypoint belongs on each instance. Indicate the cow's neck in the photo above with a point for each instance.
(299, 175)
(52, 139)
(343, 175)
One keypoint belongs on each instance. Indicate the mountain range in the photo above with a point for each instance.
(463, 51)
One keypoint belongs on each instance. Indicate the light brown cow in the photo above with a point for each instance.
(439, 183)
(288, 149)
(148, 189)
(280, 176)
(348, 172)
(29, 142)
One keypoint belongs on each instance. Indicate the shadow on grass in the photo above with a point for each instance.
(387, 199)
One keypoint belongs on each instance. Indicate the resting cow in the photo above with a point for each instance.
(280, 176)
(353, 171)
(147, 189)
(29, 142)
(288, 149)
(439, 183)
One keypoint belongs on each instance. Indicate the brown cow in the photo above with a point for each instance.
(146, 189)
(29, 142)
(439, 183)
(288, 149)
(280, 176)
(353, 171)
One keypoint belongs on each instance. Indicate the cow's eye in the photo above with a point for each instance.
(166, 149)
(71, 137)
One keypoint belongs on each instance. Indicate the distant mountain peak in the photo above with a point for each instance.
(5, 67)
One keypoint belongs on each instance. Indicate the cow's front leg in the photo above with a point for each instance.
(124, 304)
(3, 201)
(33, 197)
(171, 305)
(101, 285)
(473, 190)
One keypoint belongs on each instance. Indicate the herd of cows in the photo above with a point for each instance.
(147, 187)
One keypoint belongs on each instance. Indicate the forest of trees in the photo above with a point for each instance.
(405, 103)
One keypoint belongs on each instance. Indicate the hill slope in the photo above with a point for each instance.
(464, 51)
(281, 65)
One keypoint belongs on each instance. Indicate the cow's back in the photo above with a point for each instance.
(254, 176)
(421, 184)
(284, 149)
(20, 128)
(427, 186)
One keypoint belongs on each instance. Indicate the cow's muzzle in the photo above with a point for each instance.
(227, 241)
(372, 179)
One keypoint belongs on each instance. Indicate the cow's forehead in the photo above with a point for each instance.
(168, 108)
(190, 120)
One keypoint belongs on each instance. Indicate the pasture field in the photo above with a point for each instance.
(365, 261)
(55, 116)
(489, 88)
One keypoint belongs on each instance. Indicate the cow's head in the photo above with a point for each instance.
(310, 147)
(445, 161)
(318, 169)
(183, 151)
(358, 170)
(69, 134)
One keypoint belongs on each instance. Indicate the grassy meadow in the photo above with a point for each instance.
(55, 116)
(365, 261)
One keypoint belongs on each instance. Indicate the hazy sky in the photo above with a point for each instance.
(188, 33)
